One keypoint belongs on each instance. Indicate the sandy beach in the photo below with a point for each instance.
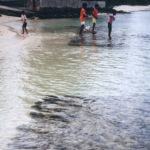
(4, 30)
(12, 33)
(128, 8)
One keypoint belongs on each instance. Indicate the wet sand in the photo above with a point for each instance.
(5, 31)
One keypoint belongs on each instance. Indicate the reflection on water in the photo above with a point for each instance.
(115, 76)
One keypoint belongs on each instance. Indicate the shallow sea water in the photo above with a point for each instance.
(112, 75)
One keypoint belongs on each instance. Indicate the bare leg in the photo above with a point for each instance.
(93, 27)
(26, 30)
(109, 34)
(81, 30)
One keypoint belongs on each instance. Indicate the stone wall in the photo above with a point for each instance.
(61, 3)
(67, 3)
(12, 3)
(36, 4)
(32, 4)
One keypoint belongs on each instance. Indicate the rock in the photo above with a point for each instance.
(52, 99)
(59, 118)
(37, 115)
(49, 116)
(38, 103)
(79, 97)
(38, 107)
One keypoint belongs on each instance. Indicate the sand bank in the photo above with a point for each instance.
(4, 30)
(128, 8)
(8, 33)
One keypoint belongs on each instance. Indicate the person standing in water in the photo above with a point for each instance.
(95, 16)
(111, 19)
(24, 21)
(83, 17)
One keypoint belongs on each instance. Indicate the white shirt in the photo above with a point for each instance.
(23, 18)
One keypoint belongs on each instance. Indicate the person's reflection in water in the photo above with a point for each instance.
(94, 57)
(82, 52)
(110, 43)
(94, 40)
(82, 42)
(82, 56)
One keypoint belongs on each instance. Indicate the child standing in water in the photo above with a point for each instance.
(24, 21)
(111, 19)
(95, 16)
(83, 17)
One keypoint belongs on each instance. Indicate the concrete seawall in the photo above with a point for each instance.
(68, 3)
(61, 3)
(35, 4)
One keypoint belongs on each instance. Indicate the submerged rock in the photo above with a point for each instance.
(35, 115)
(74, 122)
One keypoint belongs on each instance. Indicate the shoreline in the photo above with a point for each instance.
(9, 33)
(6, 31)
(128, 8)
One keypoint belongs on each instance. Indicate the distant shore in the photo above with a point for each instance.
(128, 8)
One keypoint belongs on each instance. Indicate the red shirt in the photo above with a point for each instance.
(95, 13)
(83, 12)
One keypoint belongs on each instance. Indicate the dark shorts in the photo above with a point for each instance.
(109, 26)
(25, 25)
